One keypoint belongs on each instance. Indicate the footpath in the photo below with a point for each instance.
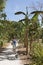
(12, 57)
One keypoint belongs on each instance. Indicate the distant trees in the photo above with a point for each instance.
(6, 30)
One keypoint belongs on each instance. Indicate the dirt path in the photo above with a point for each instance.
(9, 57)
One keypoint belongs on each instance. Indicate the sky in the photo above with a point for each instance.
(13, 6)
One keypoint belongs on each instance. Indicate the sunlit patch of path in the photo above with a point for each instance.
(14, 62)
(10, 46)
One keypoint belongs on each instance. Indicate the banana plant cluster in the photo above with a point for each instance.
(30, 25)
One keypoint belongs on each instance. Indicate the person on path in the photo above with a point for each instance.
(14, 43)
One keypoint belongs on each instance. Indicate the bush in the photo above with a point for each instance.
(37, 54)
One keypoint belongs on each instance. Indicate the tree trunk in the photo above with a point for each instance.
(26, 41)
(31, 44)
(27, 48)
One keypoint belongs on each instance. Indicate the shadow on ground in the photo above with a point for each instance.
(5, 54)
(9, 54)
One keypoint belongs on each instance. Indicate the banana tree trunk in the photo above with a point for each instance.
(30, 45)
(26, 41)
(31, 40)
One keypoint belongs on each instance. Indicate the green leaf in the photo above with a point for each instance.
(35, 17)
(37, 12)
(17, 13)
(22, 20)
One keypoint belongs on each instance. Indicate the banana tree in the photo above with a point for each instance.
(38, 13)
(33, 29)
(26, 22)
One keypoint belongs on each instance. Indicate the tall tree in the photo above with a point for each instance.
(26, 22)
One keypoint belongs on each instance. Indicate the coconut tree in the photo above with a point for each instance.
(25, 21)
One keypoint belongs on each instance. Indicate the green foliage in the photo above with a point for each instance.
(35, 19)
(17, 13)
(2, 5)
(6, 30)
(42, 35)
(37, 12)
(3, 15)
(1, 43)
(37, 54)
(9, 29)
